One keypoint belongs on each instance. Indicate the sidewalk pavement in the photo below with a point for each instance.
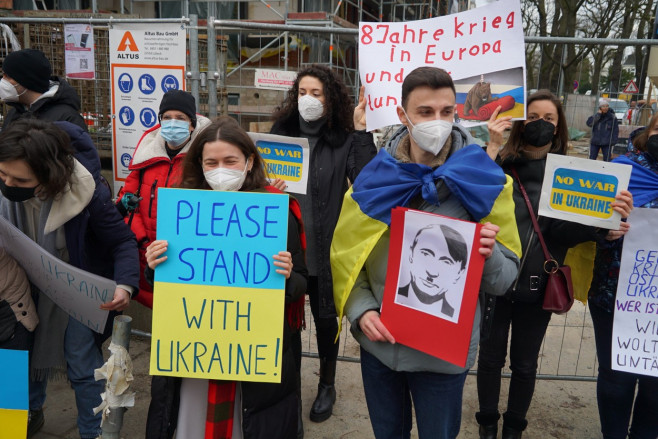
(560, 409)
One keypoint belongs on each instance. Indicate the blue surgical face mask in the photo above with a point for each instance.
(174, 131)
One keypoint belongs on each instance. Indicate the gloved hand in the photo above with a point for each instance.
(130, 201)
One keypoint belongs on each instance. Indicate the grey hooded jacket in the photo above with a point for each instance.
(499, 272)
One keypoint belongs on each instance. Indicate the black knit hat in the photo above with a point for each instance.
(30, 68)
(179, 100)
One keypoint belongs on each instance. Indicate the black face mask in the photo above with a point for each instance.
(652, 146)
(538, 133)
(16, 194)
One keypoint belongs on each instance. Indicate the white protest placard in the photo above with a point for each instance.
(635, 329)
(77, 292)
(274, 79)
(581, 190)
(286, 158)
(146, 61)
(467, 44)
(79, 51)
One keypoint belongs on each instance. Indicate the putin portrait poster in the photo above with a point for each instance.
(432, 283)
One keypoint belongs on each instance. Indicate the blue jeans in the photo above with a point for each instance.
(82, 357)
(615, 390)
(436, 397)
(605, 150)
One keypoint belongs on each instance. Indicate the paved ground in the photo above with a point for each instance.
(561, 409)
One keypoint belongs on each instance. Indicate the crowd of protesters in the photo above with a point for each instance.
(52, 190)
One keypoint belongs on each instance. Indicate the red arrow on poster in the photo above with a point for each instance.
(631, 88)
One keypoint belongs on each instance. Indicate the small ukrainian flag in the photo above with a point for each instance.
(14, 405)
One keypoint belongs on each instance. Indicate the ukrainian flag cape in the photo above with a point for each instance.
(643, 183)
(644, 187)
(477, 181)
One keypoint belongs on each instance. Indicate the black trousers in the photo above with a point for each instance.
(325, 329)
(528, 322)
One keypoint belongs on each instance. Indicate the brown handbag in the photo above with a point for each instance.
(558, 292)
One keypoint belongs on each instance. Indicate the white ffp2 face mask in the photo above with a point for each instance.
(224, 179)
(430, 136)
(310, 108)
(8, 91)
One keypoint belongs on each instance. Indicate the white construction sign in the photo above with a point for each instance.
(146, 61)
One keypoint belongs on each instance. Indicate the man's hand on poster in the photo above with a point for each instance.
(488, 234)
(360, 111)
(496, 129)
(154, 251)
(373, 328)
(284, 261)
(119, 302)
(279, 184)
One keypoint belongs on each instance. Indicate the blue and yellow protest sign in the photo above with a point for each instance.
(286, 158)
(581, 190)
(218, 305)
(14, 405)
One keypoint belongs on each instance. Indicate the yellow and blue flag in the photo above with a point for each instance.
(477, 181)
(14, 405)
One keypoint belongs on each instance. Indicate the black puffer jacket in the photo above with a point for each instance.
(60, 103)
(559, 235)
(337, 156)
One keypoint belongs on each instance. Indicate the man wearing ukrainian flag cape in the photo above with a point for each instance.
(430, 165)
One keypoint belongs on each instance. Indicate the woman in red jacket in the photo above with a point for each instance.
(157, 162)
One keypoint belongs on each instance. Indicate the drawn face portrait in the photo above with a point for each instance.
(437, 262)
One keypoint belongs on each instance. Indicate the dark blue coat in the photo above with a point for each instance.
(97, 239)
(605, 128)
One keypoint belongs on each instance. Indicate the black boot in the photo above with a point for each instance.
(324, 402)
(513, 426)
(488, 424)
(489, 431)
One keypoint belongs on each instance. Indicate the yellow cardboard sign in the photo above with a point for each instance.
(218, 304)
(14, 423)
(202, 331)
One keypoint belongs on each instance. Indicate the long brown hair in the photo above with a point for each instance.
(516, 142)
(337, 101)
(228, 130)
(640, 141)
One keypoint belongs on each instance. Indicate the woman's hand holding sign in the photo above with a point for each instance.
(153, 251)
(284, 261)
(360, 111)
(496, 129)
(120, 301)
(623, 205)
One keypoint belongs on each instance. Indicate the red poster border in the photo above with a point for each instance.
(433, 335)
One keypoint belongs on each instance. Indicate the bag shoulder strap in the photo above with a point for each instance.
(547, 255)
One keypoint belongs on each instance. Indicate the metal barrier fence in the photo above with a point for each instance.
(221, 77)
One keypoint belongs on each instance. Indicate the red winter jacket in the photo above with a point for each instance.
(151, 168)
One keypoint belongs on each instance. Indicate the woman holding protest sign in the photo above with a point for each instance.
(616, 390)
(319, 108)
(524, 158)
(223, 158)
(56, 196)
